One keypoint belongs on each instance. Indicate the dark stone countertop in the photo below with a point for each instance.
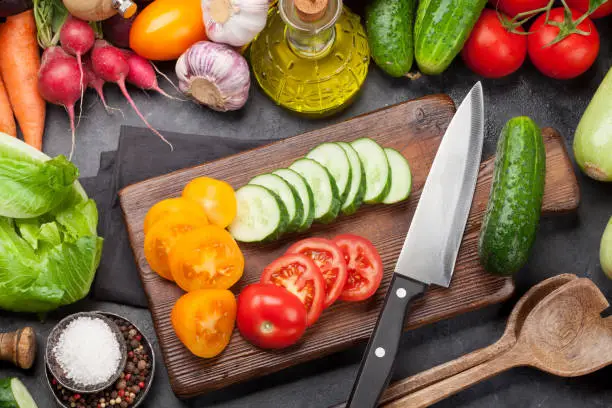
(566, 244)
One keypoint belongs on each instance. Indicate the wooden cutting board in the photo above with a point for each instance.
(414, 128)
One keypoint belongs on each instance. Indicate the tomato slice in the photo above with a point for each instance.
(365, 268)
(330, 260)
(161, 239)
(179, 205)
(299, 275)
(216, 197)
(203, 320)
(206, 258)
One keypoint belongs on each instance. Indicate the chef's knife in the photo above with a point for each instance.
(431, 246)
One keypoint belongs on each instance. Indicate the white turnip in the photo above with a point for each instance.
(111, 65)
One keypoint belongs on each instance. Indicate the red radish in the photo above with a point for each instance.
(142, 74)
(59, 82)
(110, 64)
(95, 82)
(77, 37)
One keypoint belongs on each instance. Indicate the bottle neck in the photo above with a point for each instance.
(309, 45)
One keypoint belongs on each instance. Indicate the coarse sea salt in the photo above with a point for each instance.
(87, 350)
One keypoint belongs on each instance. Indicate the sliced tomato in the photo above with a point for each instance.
(299, 275)
(365, 268)
(330, 260)
(206, 258)
(179, 205)
(215, 196)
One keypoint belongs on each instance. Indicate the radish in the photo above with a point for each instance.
(95, 82)
(111, 65)
(77, 37)
(59, 82)
(143, 75)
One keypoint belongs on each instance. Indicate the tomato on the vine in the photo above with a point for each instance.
(491, 50)
(299, 275)
(365, 268)
(583, 6)
(330, 260)
(270, 317)
(571, 56)
(514, 7)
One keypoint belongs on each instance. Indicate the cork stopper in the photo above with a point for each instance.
(310, 10)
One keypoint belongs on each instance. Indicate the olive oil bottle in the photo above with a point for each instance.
(312, 57)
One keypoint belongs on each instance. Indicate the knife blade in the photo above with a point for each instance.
(431, 245)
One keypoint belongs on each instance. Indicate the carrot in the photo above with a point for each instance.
(7, 121)
(19, 65)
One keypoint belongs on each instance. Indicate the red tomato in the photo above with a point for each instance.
(330, 260)
(270, 317)
(514, 7)
(491, 50)
(568, 58)
(365, 268)
(583, 6)
(300, 276)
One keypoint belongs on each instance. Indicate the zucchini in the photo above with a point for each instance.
(513, 212)
(441, 29)
(326, 196)
(305, 192)
(354, 198)
(389, 27)
(260, 216)
(287, 194)
(377, 170)
(13, 394)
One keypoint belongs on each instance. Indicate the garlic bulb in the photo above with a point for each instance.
(215, 75)
(234, 22)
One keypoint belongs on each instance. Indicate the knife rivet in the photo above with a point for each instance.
(379, 352)
(401, 293)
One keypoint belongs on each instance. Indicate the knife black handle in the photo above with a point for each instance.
(379, 358)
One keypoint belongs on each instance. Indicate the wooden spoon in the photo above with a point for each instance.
(515, 322)
(564, 335)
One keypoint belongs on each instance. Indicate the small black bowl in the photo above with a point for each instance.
(140, 397)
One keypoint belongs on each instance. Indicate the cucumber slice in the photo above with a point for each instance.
(334, 158)
(354, 198)
(13, 394)
(327, 199)
(287, 193)
(261, 215)
(376, 165)
(304, 191)
(401, 177)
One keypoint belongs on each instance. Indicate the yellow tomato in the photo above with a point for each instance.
(206, 258)
(162, 237)
(217, 197)
(179, 205)
(167, 28)
(203, 320)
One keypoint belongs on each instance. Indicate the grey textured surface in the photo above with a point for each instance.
(566, 244)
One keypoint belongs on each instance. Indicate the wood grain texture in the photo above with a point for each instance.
(564, 335)
(19, 347)
(415, 129)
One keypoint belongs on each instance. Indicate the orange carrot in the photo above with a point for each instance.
(19, 64)
(7, 121)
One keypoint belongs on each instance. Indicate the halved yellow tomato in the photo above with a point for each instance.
(203, 320)
(179, 205)
(162, 237)
(206, 258)
(215, 196)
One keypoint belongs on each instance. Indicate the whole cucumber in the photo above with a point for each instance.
(513, 212)
(389, 27)
(441, 29)
(593, 139)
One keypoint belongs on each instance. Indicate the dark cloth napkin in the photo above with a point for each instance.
(140, 156)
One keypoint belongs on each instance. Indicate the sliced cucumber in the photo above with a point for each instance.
(334, 159)
(261, 215)
(13, 394)
(376, 165)
(287, 193)
(327, 199)
(354, 198)
(304, 191)
(401, 177)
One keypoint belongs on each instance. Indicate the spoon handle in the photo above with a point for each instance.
(452, 385)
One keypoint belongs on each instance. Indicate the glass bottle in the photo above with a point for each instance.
(312, 57)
